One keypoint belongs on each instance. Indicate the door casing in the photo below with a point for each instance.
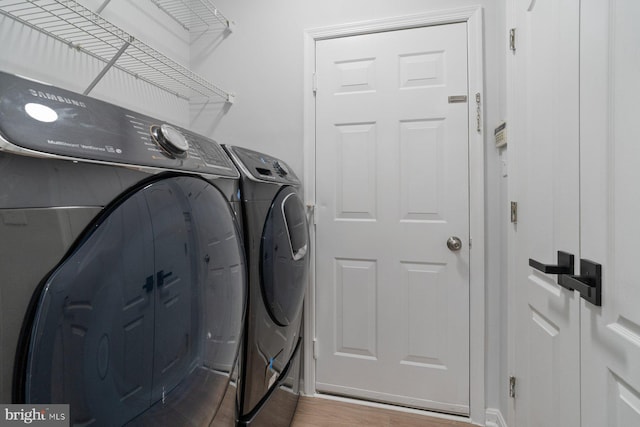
(473, 17)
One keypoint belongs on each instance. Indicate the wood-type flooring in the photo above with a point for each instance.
(318, 412)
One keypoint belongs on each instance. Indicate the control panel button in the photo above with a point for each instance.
(280, 168)
(170, 139)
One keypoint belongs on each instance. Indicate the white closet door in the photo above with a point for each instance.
(545, 176)
(392, 167)
(610, 209)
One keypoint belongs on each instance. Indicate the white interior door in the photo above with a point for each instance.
(610, 175)
(392, 301)
(546, 179)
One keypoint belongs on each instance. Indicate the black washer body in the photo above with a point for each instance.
(277, 244)
(124, 275)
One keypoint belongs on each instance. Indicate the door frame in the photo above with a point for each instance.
(472, 16)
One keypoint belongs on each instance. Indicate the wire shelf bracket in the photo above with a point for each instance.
(195, 15)
(83, 30)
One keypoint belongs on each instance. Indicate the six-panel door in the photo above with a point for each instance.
(392, 188)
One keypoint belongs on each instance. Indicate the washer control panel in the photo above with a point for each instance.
(45, 119)
(281, 168)
(264, 167)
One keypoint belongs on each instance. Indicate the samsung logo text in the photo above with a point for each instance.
(54, 97)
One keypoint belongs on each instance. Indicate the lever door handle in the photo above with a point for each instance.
(564, 265)
(148, 284)
(588, 283)
(160, 276)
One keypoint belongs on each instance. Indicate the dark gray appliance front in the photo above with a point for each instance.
(124, 276)
(148, 305)
(283, 261)
(276, 232)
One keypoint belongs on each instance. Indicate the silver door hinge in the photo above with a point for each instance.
(514, 212)
(512, 387)
(512, 39)
(315, 83)
(478, 113)
(315, 348)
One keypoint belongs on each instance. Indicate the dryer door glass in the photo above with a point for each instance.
(284, 263)
(142, 320)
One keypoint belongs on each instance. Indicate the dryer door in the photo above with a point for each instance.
(144, 317)
(284, 261)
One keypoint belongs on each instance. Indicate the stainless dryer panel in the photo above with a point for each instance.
(29, 182)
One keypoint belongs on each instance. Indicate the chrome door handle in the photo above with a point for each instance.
(454, 243)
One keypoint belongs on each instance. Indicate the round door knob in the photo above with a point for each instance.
(454, 243)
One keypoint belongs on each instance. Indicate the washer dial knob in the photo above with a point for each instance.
(170, 139)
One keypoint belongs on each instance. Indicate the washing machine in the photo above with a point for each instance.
(277, 245)
(124, 278)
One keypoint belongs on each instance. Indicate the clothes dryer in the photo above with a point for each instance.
(277, 244)
(124, 282)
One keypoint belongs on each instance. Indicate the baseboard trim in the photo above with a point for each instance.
(495, 418)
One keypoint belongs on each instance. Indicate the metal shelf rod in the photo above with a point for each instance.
(81, 29)
(194, 15)
(107, 67)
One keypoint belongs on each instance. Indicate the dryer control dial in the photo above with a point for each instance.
(170, 139)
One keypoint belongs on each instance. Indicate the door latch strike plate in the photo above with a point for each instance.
(514, 212)
(457, 98)
(478, 113)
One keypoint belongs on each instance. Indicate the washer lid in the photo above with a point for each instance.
(41, 120)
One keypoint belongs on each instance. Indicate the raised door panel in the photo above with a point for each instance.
(356, 330)
(356, 171)
(422, 165)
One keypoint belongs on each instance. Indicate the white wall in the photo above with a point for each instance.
(262, 61)
(32, 54)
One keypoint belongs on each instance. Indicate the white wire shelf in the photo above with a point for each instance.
(195, 15)
(84, 30)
